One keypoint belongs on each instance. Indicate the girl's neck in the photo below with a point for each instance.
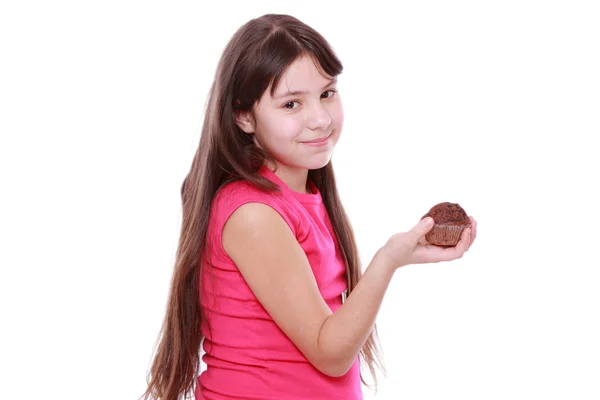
(295, 178)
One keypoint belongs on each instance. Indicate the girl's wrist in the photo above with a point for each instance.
(384, 257)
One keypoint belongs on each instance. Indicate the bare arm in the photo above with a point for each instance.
(275, 267)
(345, 332)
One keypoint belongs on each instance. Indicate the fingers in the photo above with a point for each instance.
(472, 233)
(420, 230)
(425, 253)
(465, 242)
(473, 230)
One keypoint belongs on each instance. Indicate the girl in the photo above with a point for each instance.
(267, 277)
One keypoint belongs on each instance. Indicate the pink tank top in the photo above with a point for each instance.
(246, 354)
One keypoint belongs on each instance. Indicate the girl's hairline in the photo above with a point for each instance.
(304, 53)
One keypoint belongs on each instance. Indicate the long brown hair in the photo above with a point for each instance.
(255, 57)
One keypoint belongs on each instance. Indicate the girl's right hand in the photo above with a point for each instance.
(409, 247)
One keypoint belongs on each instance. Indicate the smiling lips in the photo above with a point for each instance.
(318, 142)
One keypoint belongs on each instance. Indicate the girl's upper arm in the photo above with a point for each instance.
(275, 267)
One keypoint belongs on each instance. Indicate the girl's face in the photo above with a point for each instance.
(301, 123)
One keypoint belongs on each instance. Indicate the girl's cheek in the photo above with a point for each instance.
(337, 114)
(291, 128)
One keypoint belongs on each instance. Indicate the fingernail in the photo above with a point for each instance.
(428, 221)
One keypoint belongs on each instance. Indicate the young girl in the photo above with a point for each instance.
(267, 277)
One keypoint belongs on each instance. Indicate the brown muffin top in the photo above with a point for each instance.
(448, 214)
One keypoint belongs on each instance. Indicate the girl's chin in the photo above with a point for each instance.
(320, 162)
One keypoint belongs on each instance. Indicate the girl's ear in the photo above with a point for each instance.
(244, 120)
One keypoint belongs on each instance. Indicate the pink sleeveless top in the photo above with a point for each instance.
(247, 355)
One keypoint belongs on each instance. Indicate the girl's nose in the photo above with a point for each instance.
(318, 118)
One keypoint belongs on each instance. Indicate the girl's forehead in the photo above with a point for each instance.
(301, 77)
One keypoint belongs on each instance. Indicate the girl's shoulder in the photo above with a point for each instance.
(240, 190)
(235, 194)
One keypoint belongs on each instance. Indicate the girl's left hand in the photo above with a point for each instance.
(430, 251)
(411, 247)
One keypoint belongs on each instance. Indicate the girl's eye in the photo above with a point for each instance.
(328, 94)
(325, 95)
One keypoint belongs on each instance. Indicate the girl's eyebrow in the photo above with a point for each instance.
(299, 92)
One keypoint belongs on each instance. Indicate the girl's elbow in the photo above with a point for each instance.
(332, 367)
(335, 372)
(333, 359)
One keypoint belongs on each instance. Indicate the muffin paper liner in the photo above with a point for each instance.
(444, 235)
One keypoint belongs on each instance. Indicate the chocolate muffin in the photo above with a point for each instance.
(450, 221)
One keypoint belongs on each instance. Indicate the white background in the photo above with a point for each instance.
(493, 105)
